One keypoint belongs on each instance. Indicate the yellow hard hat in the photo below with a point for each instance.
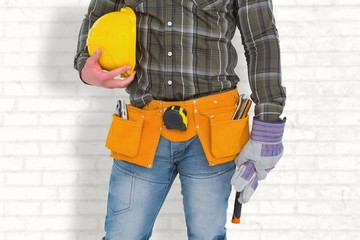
(115, 34)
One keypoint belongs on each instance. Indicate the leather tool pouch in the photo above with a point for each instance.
(135, 140)
(222, 138)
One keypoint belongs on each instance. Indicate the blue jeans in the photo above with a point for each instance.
(136, 194)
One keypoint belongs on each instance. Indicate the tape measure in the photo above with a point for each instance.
(175, 117)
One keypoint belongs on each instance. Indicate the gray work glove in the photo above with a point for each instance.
(260, 154)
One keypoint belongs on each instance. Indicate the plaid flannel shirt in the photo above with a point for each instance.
(184, 49)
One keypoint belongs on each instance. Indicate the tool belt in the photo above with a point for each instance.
(136, 139)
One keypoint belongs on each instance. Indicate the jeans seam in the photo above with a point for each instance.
(123, 169)
(115, 213)
(128, 171)
(163, 199)
(211, 176)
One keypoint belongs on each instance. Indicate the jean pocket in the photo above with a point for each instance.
(124, 136)
(228, 136)
(120, 190)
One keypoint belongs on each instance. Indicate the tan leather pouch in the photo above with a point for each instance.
(124, 136)
(228, 136)
(221, 137)
(135, 140)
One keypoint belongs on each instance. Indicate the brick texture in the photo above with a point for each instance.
(54, 168)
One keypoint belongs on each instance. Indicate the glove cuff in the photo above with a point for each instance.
(265, 131)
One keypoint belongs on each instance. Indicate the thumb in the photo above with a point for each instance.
(94, 58)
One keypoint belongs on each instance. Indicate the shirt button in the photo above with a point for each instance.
(169, 82)
(169, 24)
(169, 54)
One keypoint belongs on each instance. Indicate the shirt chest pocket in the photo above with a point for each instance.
(150, 8)
(211, 5)
(136, 5)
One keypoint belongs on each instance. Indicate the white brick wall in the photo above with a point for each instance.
(54, 168)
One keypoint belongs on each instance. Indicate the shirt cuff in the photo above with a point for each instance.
(79, 63)
(268, 112)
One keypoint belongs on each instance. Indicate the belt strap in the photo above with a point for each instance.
(193, 107)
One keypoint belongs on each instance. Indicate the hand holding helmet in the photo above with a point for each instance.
(93, 74)
(111, 45)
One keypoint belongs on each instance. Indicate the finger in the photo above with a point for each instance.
(245, 174)
(248, 171)
(116, 72)
(238, 172)
(234, 177)
(248, 191)
(116, 83)
(94, 58)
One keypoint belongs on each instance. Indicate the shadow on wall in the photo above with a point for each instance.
(86, 114)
